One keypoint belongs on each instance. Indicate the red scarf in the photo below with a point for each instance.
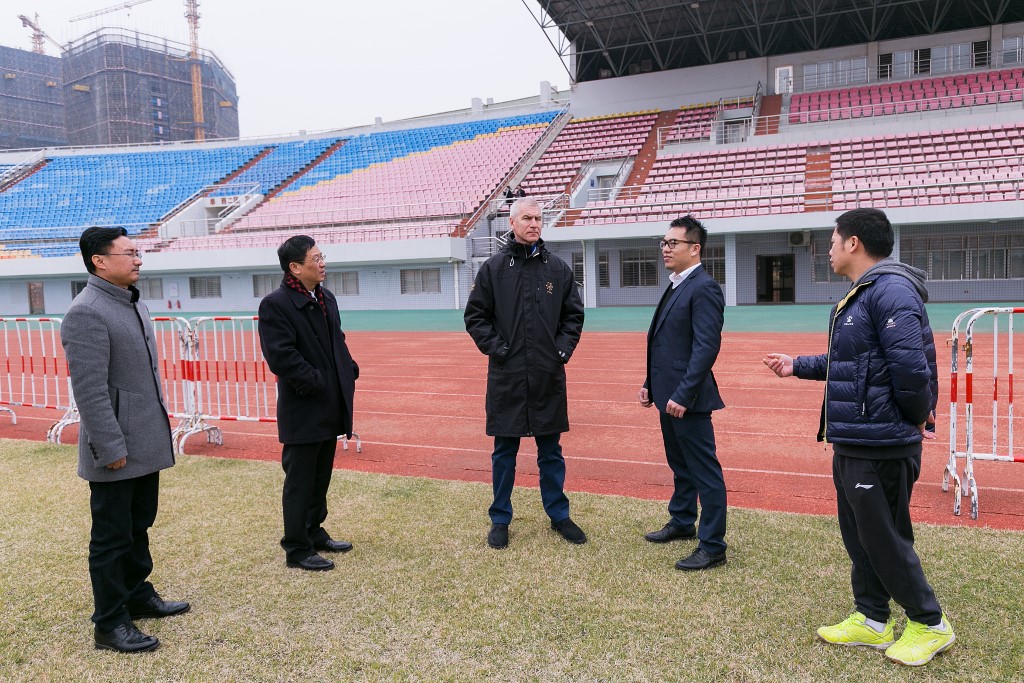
(317, 293)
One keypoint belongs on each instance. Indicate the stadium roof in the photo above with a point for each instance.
(602, 38)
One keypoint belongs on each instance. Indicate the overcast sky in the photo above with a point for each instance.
(325, 64)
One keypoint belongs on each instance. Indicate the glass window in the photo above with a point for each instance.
(713, 259)
(264, 284)
(76, 287)
(603, 279)
(150, 288)
(639, 267)
(204, 287)
(345, 283)
(421, 281)
(1013, 50)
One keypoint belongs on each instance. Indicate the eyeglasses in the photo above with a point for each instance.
(672, 244)
(319, 258)
(134, 254)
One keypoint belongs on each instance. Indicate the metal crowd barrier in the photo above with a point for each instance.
(33, 373)
(212, 368)
(1002, 443)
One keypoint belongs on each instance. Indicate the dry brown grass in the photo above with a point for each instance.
(422, 598)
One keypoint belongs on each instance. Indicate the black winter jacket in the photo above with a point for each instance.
(525, 314)
(316, 376)
(880, 373)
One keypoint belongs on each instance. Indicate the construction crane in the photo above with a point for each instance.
(38, 35)
(192, 14)
(123, 5)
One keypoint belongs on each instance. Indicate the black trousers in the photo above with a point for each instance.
(874, 519)
(697, 474)
(307, 476)
(119, 558)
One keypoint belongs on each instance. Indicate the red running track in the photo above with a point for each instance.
(420, 412)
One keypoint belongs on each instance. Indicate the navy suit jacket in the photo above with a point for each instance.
(683, 343)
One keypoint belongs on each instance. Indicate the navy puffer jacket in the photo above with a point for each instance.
(880, 373)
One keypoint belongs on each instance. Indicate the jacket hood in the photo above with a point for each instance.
(891, 266)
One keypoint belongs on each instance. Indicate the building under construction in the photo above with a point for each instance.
(31, 100)
(113, 87)
(123, 87)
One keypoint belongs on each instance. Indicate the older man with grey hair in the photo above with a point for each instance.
(525, 314)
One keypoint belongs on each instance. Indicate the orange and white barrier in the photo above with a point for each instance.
(33, 372)
(1001, 446)
(212, 370)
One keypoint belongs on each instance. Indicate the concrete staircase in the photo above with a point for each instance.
(768, 117)
(818, 180)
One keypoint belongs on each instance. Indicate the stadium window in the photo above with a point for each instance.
(577, 267)
(1013, 50)
(639, 267)
(901, 63)
(150, 288)
(713, 259)
(960, 57)
(981, 54)
(991, 256)
(421, 281)
(821, 266)
(603, 278)
(923, 60)
(345, 283)
(76, 287)
(885, 66)
(264, 284)
(204, 287)
(940, 59)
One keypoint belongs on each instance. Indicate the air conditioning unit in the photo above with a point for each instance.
(800, 238)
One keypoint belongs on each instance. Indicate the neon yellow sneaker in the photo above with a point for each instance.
(854, 631)
(919, 643)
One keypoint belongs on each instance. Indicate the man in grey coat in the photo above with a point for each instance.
(124, 437)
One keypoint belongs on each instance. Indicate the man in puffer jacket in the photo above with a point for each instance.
(881, 387)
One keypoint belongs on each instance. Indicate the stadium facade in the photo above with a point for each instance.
(928, 127)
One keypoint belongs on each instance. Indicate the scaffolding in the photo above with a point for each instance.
(124, 87)
(31, 100)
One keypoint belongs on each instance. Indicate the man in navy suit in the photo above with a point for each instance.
(682, 345)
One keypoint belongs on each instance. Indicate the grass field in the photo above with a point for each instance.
(422, 598)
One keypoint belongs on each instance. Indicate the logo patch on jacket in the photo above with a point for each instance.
(550, 287)
(890, 323)
(849, 320)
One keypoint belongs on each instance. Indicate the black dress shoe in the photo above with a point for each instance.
(332, 546)
(700, 559)
(125, 638)
(569, 531)
(154, 608)
(671, 532)
(313, 563)
(497, 537)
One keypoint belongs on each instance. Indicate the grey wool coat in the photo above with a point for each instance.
(111, 352)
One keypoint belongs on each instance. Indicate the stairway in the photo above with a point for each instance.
(768, 118)
(291, 179)
(17, 179)
(649, 151)
(818, 179)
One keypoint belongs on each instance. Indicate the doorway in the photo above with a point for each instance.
(783, 80)
(776, 279)
(36, 302)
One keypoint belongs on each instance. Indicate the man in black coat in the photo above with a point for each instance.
(302, 341)
(526, 316)
(682, 346)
